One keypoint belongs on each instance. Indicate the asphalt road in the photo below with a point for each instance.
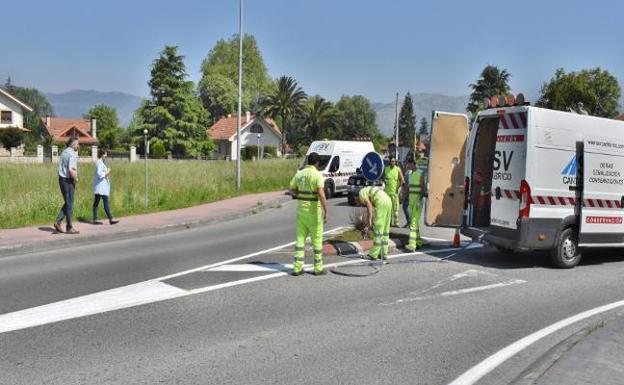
(417, 321)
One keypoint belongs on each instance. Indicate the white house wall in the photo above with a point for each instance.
(267, 138)
(18, 117)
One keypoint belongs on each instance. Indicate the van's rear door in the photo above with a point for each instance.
(602, 213)
(445, 176)
(509, 167)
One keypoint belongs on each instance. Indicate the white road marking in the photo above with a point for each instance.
(101, 302)
(461, 291)
(143, 293)
(253, 267)
(206, 267)
(480, 370)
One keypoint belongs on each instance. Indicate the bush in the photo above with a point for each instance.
(158, 150)
(11, 137)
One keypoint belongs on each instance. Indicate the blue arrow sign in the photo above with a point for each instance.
(372, 166)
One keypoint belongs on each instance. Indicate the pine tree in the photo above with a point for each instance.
(424, 127)
(407, 123)
(174, 115)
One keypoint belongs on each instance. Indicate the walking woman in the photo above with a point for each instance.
(101, 188)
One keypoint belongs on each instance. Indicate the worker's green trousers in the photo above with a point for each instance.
(394, 197)
(415, 208)
(309, 223)
(381, 228)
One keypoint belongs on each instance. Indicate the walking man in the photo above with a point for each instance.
(307, 186)
(416, 183)
(68, 177)
(379, 206)
(394, 179)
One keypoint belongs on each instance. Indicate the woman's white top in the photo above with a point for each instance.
(101, 184)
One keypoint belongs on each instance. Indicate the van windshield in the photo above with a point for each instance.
(322, 165)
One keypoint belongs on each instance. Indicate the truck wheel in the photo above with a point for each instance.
(350, 199)
(329, 190)
(566, 253)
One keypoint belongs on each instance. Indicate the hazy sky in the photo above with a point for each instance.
(373, 48)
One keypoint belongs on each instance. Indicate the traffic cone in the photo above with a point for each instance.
(456, 242)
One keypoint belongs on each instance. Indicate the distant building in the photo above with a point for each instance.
(61, 129)
(223, 134)
(621, 117)
(12, 111)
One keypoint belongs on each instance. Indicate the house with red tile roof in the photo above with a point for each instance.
(255, 130)
(62, 129)
(621, 117)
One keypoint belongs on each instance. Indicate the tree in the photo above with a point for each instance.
(11, 137)
(108, 129)
(493, 81)
(356, 118)
(285, 102)
(219, 95)
(424, 127)
(319, 118)
(174, 115)
(407, 123)
(597, 89)
(222, 63)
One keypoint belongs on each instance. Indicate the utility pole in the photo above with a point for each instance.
(396, 128)
(240, 97)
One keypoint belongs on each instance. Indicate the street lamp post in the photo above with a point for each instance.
(145, 152)
(258, 146)
(240, 97)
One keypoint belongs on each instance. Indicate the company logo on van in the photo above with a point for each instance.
(570, 168)
(569, 172)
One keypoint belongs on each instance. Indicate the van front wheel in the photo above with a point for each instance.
(329, 190)
(566, 253)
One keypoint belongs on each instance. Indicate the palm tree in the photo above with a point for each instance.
(286, 101)
(493, 82)
(319, 115)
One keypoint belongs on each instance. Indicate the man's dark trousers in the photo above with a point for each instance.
(67, 190)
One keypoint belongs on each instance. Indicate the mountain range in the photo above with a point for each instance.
(75, 103)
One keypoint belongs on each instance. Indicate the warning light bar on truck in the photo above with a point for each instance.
(504, 101)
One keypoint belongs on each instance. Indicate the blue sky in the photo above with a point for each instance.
(372, 48)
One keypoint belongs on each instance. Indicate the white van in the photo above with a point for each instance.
(528, 178)
(339, 160)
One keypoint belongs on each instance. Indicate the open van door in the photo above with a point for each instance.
(602, 193)
(445, 176)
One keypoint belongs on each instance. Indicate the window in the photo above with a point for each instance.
(335, 164)
(256, 129)
(6, 117)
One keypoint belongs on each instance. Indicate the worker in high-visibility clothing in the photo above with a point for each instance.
(393, 178)
(416, 186)
(379, 206)
(307, 186)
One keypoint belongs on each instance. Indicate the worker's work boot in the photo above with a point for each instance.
(296, 273)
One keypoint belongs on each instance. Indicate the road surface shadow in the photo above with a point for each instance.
(47, 229)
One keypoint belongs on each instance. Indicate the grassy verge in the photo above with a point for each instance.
(29, 193)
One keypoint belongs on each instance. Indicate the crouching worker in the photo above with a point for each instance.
(379, 206)
(307, 186)
(416, 183)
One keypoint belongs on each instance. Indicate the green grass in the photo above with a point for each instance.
(349, 236)
(29, 193)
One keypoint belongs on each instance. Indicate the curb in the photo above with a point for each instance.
(20, 248)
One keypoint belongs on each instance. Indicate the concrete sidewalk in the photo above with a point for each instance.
(39, 238)
(598, 358)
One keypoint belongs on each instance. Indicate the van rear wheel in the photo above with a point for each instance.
(566, 253)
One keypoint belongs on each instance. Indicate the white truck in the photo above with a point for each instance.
(528, 178)
(339, 160)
